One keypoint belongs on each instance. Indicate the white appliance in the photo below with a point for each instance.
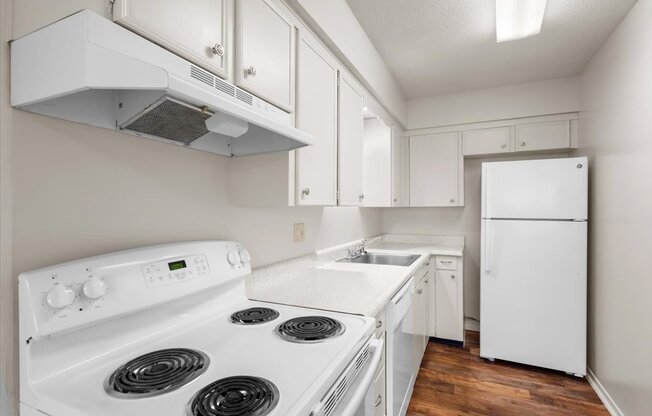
(87, 69)
(400, 351)
(168, 330)
(533, 263)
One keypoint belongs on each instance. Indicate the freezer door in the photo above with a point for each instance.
(533, 293)
(549, 189)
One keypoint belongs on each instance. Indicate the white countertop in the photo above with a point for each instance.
(318, 281)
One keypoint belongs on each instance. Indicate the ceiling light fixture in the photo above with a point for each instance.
(518, 19)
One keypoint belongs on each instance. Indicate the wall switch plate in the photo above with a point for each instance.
(299, 232)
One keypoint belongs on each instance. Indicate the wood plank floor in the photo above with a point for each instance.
(456, 381)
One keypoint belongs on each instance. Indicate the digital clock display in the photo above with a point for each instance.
(176, 265)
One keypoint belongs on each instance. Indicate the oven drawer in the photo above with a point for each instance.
(446, 262)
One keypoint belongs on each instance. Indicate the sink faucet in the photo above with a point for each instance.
(359, 250)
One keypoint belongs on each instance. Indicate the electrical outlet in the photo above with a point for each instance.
(299, 232)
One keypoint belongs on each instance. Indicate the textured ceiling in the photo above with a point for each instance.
(438, 47)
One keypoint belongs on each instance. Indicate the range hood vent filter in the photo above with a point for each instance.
(172, 120)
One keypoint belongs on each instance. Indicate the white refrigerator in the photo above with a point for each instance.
(533, 263)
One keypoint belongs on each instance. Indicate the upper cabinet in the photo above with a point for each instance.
(350, 144)
(436, 170)
(377, 163)
(399, 163)
(198, 30)
(487, 141)
(265, 58)
(316, 165)
(543, 136)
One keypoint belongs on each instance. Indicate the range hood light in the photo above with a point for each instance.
(518, 19)
(227, 125)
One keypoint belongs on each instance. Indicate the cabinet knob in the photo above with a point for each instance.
(218, 49)
(452, 201)
(360, 197)
(523, 143)
(379, 324)
(305, 192)
(420, 291)
(395, 199)
(503, 146)
(251, 71)
(452, 276)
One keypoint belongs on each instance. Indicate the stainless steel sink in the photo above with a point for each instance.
(384, 259)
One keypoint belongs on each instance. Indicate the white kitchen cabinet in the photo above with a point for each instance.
(487, 141)
(198, 31)
(436, 170)
(399, 156)
(377, 163)
(420, 311)
(316, 165)
(350, 141)
(379, 385)
(543, 136)
(265, 55)
(449, 299)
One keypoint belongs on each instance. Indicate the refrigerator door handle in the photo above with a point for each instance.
(488, 247)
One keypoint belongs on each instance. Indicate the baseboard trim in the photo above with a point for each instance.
(602, 393)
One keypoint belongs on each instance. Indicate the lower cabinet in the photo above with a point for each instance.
(420, 316)
(379, 392)
(446, 296)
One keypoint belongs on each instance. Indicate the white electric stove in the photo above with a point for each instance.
(168, 330)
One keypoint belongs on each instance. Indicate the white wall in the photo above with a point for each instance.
(454, 221)
(80, 191)
(616, 133)
(334, 21)
(511, 101)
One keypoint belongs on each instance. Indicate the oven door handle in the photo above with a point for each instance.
(364, 380)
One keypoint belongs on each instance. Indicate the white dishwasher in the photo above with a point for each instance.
(400, 339)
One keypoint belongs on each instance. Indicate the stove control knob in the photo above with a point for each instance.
(60, 296)
(94, 288)
(245, 256)
(233, 257)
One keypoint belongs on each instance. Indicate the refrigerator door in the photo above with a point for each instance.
(533, 293)
(536, 189)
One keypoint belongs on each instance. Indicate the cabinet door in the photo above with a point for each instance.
(316, 165)
(419, 310)
(486, 141)
(398, 167)
(447, 304)
(543, 136)
(436, 170)
(350, 129)
(196, 31)
(265, 39)
(377, 163)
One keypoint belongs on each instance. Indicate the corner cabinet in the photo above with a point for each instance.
(265, 58)
(436, 170)
(350, 144)
(197, 31)
(316, 165)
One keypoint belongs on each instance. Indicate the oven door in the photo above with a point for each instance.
(353, 393)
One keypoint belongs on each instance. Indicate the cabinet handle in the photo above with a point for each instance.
(446, 261)
(305, 192)
(378, 401)
(360, 197)
(251, 71)
(218, 49)
(523, 143)
(452, 276)
(379, 324)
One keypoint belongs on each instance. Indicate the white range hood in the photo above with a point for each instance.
(87, 69)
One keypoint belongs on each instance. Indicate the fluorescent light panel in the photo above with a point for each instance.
(518, 19)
